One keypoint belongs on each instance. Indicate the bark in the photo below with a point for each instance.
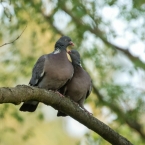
(23, 93)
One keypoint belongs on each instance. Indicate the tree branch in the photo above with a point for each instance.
(101, 35)
(14, 39)
(23, 93)
(130, 121)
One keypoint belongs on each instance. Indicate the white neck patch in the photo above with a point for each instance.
(80, 65)
(57, 51)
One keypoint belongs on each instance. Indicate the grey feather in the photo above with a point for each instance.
(38, 71)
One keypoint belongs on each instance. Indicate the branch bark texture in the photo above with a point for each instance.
(23, 93)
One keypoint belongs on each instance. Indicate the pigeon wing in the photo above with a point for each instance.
(38, 71)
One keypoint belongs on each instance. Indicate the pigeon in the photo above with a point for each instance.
(51, 71)
(80, 86)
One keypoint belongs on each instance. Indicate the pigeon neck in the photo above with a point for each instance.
(76, 65)
(56, 51)
(60, 46)
(77, 68)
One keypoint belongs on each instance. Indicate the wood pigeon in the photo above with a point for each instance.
(51, 71)
(80, 86)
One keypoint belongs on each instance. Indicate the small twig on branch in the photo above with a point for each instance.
(14, 39)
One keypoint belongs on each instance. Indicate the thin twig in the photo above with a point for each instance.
(14, 39)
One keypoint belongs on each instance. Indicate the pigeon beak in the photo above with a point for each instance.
(69, 51)
(71, 43)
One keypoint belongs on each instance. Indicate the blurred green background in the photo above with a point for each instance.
(110, 37)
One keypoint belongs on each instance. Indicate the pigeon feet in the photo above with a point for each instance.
(57, 92)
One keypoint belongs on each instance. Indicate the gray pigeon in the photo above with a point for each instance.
(80, 86)
(51, 71)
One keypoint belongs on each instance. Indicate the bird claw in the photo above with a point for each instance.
(57, 92)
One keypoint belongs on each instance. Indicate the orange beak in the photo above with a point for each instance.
(69, 51)
(71, 43)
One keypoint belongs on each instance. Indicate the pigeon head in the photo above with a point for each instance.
(75, 57)
(63, 42)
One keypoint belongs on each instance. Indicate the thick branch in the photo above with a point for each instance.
(24, 93)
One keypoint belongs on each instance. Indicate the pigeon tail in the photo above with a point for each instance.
(61, 114)
(28, 106)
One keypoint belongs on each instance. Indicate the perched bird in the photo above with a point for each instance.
(51, 71)
(80, 86)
